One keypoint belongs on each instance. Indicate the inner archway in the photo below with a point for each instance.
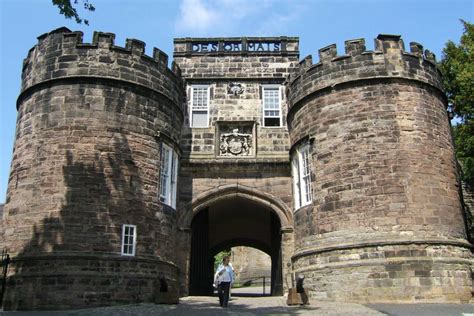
(229, 222)
(252, 271)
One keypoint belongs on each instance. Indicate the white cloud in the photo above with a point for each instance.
(276, 23)
(195, 16)
(235, 17)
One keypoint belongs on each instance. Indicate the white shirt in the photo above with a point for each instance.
(227, 274)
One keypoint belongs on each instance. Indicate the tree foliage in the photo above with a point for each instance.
(464, 143)
(218, 258)
(457, 67)
(69, 11)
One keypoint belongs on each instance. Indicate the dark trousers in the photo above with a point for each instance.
(223, 292)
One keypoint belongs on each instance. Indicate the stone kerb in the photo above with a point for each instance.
(388, 60)
(61, 54)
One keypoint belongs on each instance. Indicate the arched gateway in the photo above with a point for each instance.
(231, 216)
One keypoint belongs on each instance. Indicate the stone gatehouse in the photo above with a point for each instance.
(128, 175)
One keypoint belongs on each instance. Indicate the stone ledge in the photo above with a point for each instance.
(111, 257)
(235, 161)
(378, 243)
(384, 261)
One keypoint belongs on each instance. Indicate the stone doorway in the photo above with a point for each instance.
(233, 221)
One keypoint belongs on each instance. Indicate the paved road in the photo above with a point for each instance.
(209, 306)
(249, 306)
(425, 309)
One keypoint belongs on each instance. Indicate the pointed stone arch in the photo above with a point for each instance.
(280, 228)
(207, 198)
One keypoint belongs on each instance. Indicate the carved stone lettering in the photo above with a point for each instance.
(263, 46)
(232, 47)
(255, 46)
(204, 47)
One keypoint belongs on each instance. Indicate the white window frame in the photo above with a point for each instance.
(168, 175)
(126, 240)
(272, 87)
(192, 107)
(301, 172)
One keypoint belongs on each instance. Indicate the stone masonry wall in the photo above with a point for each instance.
(250, 264)
(388, 273)
(386, 213)
(91, 118)
(202, 179)
(266, 169)
(251, 70)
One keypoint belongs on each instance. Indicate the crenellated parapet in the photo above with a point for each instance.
(62, 54)
(388, 60)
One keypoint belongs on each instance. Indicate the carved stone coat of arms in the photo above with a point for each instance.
(235, 143)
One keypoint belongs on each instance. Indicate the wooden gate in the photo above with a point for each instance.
(5, 262)
(200, 278)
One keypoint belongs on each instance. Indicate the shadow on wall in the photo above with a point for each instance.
(74, 255)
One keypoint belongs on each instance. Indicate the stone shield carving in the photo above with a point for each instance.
(235, 88)
(235, 143)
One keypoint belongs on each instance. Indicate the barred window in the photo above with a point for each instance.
(271, 105)
(199, 106)
(301, 172)
(129, 239)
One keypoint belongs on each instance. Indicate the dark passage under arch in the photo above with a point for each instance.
(227, 223)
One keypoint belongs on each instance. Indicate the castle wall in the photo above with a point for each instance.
(385, 223)
(250, 264)
(91, 118)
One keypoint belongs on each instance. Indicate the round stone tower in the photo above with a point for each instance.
(385, 223)
(92, 119)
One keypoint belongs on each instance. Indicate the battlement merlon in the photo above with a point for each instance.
(104, 40)
(221, 46)
(62, 54)
(388, 60)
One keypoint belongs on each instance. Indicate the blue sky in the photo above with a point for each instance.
(156, 22)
